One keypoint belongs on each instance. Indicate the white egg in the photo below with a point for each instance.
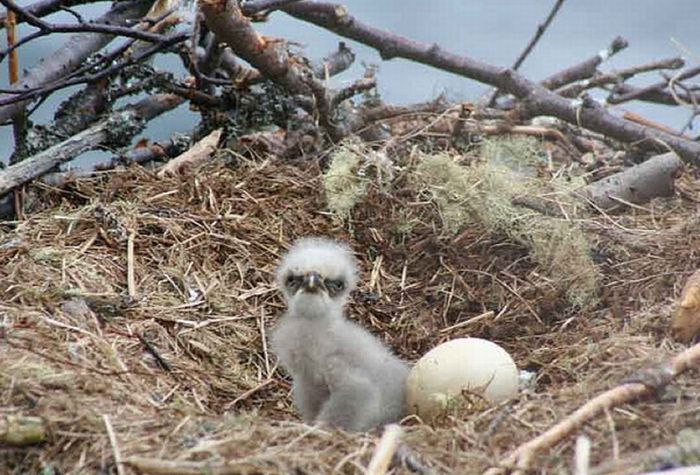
(457, 367)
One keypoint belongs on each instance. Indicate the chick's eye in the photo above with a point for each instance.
(293, 280)
(335, 285)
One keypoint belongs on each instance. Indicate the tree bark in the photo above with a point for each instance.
(121, 126)
(637, 184)
(536, 99)
(72, 54)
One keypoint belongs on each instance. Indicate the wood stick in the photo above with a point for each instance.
(386, 448)
(195, 155)
(113, 443)
(535, 100)
(130, 278)
(521, 459)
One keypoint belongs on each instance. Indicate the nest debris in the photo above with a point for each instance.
(180, 365)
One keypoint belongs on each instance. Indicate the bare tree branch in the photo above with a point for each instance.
(253, 7)
(536, 100)
(43, 8)
(541, 28)
(225, 19)
(584, 69)
(46, 28)
(72, 54)
(656, 87)
(637, 184)
(643, 386)
(116, 130)
(615, 77)
(335, 63)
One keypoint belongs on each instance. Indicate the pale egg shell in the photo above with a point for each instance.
(471, 364)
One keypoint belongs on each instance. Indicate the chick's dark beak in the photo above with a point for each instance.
(312, 282)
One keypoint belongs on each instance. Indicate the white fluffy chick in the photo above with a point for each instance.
(343, 376)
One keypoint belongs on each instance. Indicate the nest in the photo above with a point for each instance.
(135, 309)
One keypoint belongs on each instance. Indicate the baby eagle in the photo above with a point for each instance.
(342, 375)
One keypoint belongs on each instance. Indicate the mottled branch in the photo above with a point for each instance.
(535, 99)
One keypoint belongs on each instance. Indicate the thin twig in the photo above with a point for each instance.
(658, 86)
(113, 443)
(386, 448)
(541, 28)
(535, 99)
(646, 385)
(131, 280)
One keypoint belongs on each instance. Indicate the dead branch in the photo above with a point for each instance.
(616, 77)
(535, 99)
(255, 7)
(117, 129)
(658, 457)
(335, 63)
(584, 69)
(153, 466)
(72, 55)
(637, 184)
(385, 450)
(48, 28)
(43, 8)
(199, 152)
(637, 93)
(226, 20)
(541, 28)
(644, 386)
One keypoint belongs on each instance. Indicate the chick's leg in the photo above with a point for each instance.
(308, 398)
(353, 404)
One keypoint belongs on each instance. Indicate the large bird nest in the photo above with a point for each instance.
(160, 352)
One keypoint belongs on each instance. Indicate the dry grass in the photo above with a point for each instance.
(180, 366)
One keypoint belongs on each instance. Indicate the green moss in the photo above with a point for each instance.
(343, 186)
(483, 193)
(353, 166)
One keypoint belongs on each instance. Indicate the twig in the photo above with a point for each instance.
(113, 443)
(637, 184)
(130, 277)
(198, 153)
(541, 28)
(21, 431)
(618, 76)
(657, 457)
(335, 63)
(634, 117)
(44, 7)
(119, 126)
(694, 470)
(160, 361)
(535, 99)
(253, 7)
(386, 448)
(652, 382)
(226, 20)
(154, 466)
(639, 92)
(353, 89)
(71, 55)
(584, 69)
(93, 27)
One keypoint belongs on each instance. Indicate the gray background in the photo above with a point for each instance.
(494, 31)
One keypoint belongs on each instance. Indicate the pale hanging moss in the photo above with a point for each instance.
(484, 193)
(351, 169)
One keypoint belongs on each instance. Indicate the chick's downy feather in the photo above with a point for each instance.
(342, 374)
